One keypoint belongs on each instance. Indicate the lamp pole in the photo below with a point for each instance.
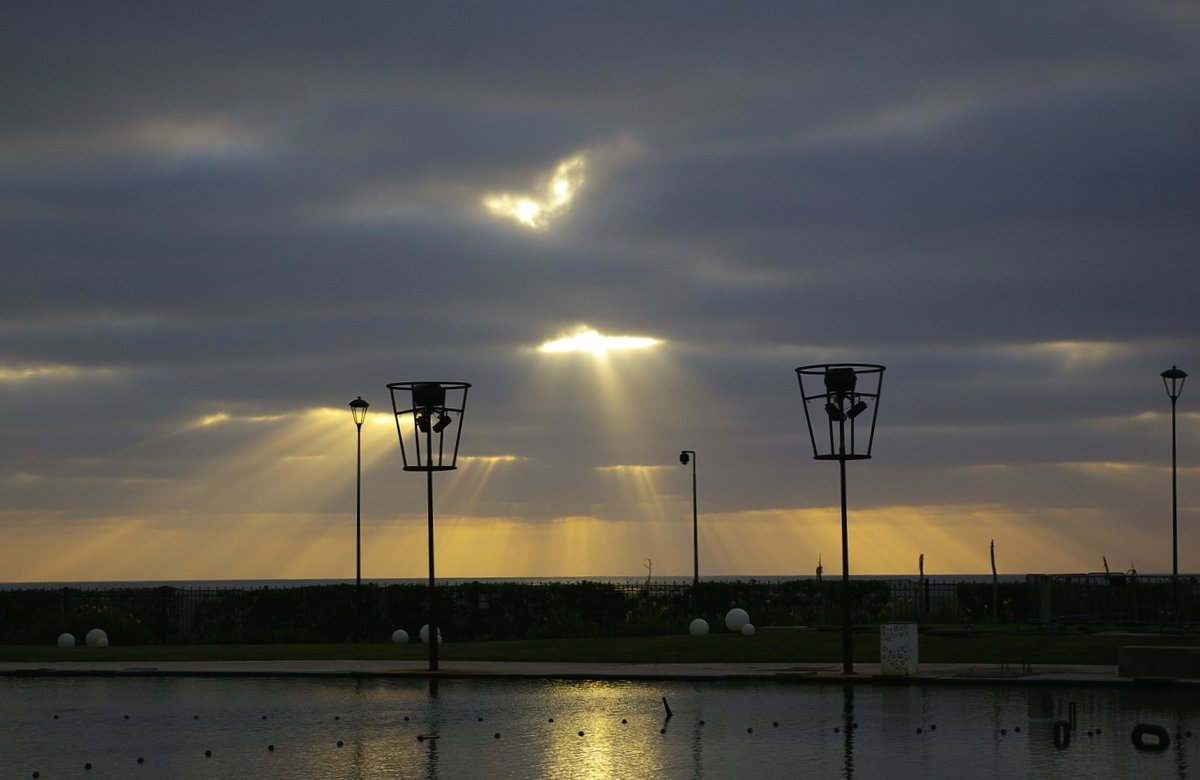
(685, 457)
(847, 622)
(1173, 379)
(358, 410)
(424, 410)
(844, 400)
(433, 622)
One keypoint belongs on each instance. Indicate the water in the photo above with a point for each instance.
(416, 728)
(681, 579)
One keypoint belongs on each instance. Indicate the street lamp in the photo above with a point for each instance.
(358, 410)
(686, 456)
(424, 410)
(1173, 379)
(843, 400)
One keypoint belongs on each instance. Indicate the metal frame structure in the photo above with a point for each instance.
(843, 403)
(425, 410)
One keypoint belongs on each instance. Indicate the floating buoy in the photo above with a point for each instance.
(623, 721)
(481, 719)
(126, 717)
(1062, 733)
(775, 724)
(497, 735)
(701, 723)
(662, 730)
(339, 743)
(1161, 740)
(1003, 732)
(208, 754)
(918, 729)
(750, 730)
(1016, 729)
(141, 760)
(270, 748)
(581, 733)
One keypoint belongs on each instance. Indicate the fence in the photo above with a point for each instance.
(499, 610)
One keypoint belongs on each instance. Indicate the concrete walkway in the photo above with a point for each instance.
(783, 672)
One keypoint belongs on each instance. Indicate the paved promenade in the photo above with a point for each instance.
(783, 672)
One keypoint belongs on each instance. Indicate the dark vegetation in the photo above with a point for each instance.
(505, 611)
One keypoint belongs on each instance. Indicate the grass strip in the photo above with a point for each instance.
(780, 645)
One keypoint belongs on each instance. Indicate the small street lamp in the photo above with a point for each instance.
(358, 410)
(424, 410)
(686, 456)
(1173, 379)
(843, 401)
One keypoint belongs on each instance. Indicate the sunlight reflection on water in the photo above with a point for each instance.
(494, 728)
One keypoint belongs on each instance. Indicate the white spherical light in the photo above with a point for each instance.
(736, 618)
(66, 640)
(399, 637)
(748, 629)
(97, 638)
(699, 627)
(425, 634)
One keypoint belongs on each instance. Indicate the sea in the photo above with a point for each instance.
(682, 579)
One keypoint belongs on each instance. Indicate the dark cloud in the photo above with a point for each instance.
(265, 209)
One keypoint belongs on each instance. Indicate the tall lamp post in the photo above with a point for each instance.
(358, 410)
(1173, 379)
(686, 456)
(842, 437)
(424, 410)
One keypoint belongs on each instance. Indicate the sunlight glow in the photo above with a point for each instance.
(217, 418)
(586, 339)
(535, 211)
(26, 373)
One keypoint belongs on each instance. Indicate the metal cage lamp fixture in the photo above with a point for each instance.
(845, 391)
(838, 396)
(424, 412)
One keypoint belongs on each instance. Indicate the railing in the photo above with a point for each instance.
(500, 610)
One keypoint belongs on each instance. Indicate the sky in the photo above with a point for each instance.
(221, 222)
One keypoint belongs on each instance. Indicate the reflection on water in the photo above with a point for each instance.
(461, 728)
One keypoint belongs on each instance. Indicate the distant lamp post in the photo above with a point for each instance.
(1173, 379)
(358, 409)
(424, 411)
(685, 457)
(842, 433)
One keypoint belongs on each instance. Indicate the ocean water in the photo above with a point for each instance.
(682, 579)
